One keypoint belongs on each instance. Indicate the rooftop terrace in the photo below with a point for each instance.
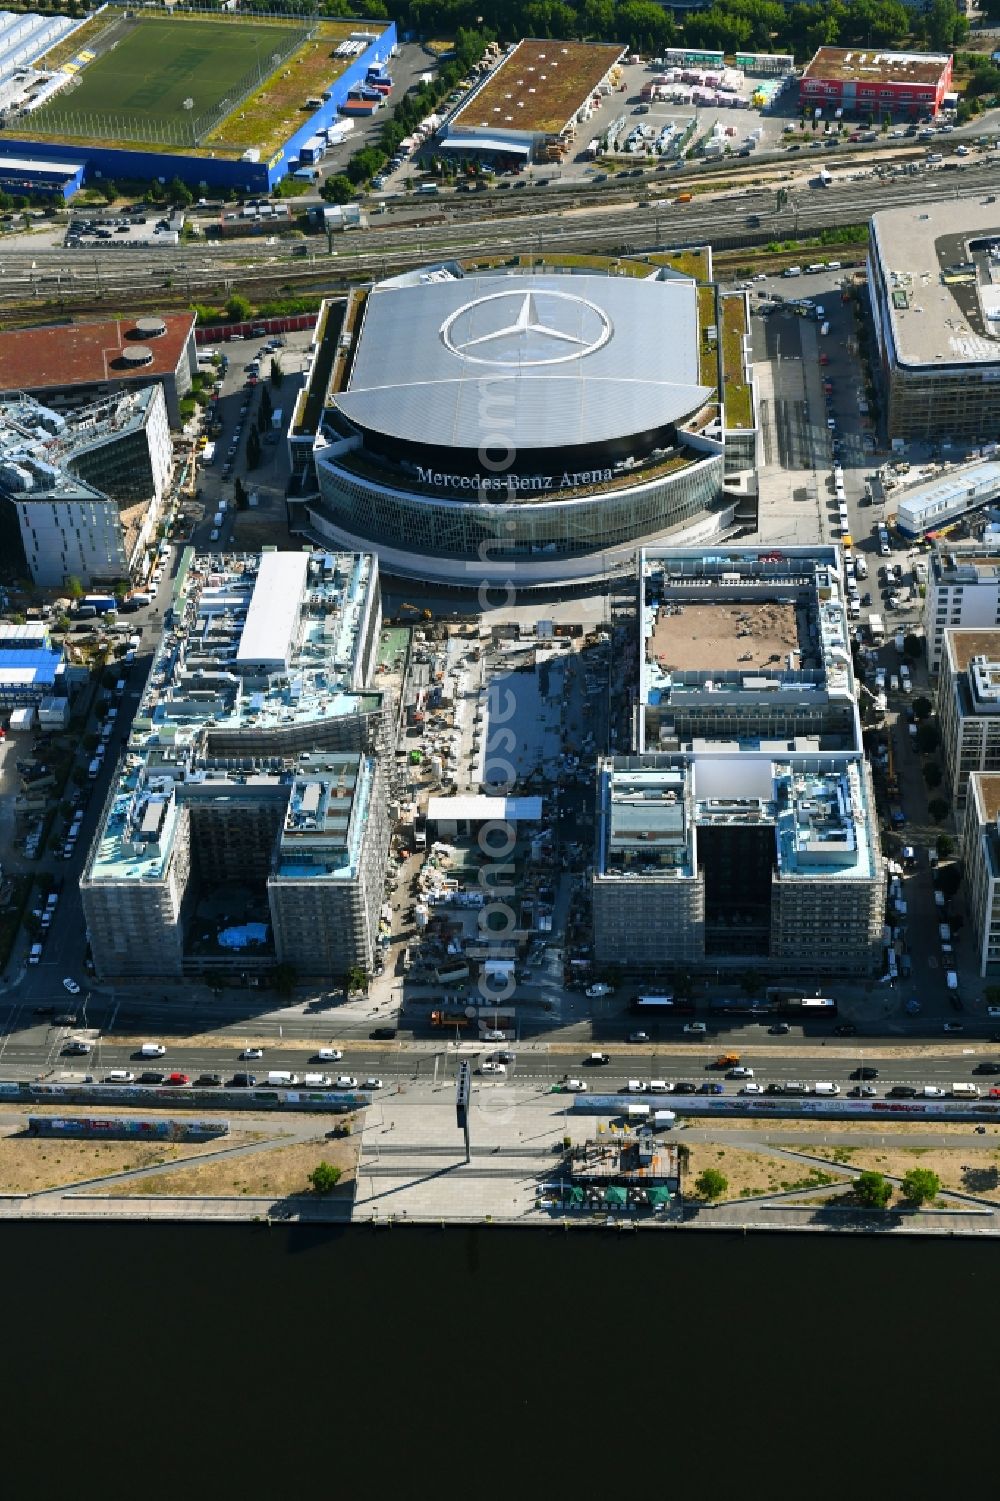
(748, 621)
(217, 721)
(38, 445)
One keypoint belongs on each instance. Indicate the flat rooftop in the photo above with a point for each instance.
(38, 446)
(210, 726)
(966, 644)
(817, 805)
(986, 787)
(31, 164)
(538, 87)
(83, 354)
(965, 564)
(941, 266)
(268, 637)
(856, 65)
(723, 636)
(751, 620)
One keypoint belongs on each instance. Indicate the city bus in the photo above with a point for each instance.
(661, 1005)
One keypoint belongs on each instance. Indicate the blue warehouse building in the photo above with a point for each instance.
(19, 174)
(234, 174)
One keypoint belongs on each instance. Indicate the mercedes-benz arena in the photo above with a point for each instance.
(511, 425)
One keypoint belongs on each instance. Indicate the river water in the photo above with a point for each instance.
(305, 1356)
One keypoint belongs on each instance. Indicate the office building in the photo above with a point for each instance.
(743, 832)
(872, 83)
(73, 364)
(969, 707)
(82, 492)
(248, 823)
(981, 854)
(935, 301)
(32, 670)
(963, 591)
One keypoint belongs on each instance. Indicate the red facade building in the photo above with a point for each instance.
(864, 83)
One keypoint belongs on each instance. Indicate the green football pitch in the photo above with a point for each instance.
(145, 79)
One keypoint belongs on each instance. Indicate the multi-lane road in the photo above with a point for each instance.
(32, 1046)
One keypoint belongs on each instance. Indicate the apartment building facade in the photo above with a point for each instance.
(963, 592)
(981, 852)
(968, 702)
(248, 824)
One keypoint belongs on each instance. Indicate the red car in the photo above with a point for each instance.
(178, 1079)
(995, 1093)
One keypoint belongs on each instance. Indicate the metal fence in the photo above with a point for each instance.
(59, 119)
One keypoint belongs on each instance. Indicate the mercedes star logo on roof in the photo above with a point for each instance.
(531, 329)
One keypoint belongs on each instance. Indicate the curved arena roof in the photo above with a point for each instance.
(527, 361)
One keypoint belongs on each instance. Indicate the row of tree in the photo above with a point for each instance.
(647, 27)
(874, 1190)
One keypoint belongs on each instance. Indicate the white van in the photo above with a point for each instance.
(965, 1091)
(792, 271)
(317, 1081)
(281, 1080)
(826, 1087)
(152, 1050)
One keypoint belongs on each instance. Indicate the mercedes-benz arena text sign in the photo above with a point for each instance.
(531, 329)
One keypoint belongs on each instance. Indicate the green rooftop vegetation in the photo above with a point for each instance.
(732, 331)
(691, 262)
(708, 351)
(739, 405)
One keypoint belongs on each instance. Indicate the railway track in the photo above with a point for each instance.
(53, 278)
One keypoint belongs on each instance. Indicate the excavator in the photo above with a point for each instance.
(424, 614)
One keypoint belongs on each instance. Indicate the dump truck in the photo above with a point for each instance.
(449, 1019)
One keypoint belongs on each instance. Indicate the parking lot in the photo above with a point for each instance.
(138, 225)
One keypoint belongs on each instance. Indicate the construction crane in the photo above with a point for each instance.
(424, 614)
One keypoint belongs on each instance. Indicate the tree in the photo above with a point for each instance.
(179, 193)
(239, 494)
(253, 448)
(913, 645)
(239, 308)
(110, 191)
(938, 809)
(277, 373)
(949, 880)
(927, 738)
(356, 978)
(945, 846)
(711, 1184)
(920, 1186)
(338, 189)
(265, 403)
(933, 775)
(262, 418)
(74, 588)
(324, 1177)
(922, 707)
(284, 978)
(872, 1189)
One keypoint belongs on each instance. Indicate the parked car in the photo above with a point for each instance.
(71, 986)
(346, 1081)
(178, 1079)
(252, 1054)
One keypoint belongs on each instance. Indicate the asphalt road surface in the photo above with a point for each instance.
(32, 1046)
